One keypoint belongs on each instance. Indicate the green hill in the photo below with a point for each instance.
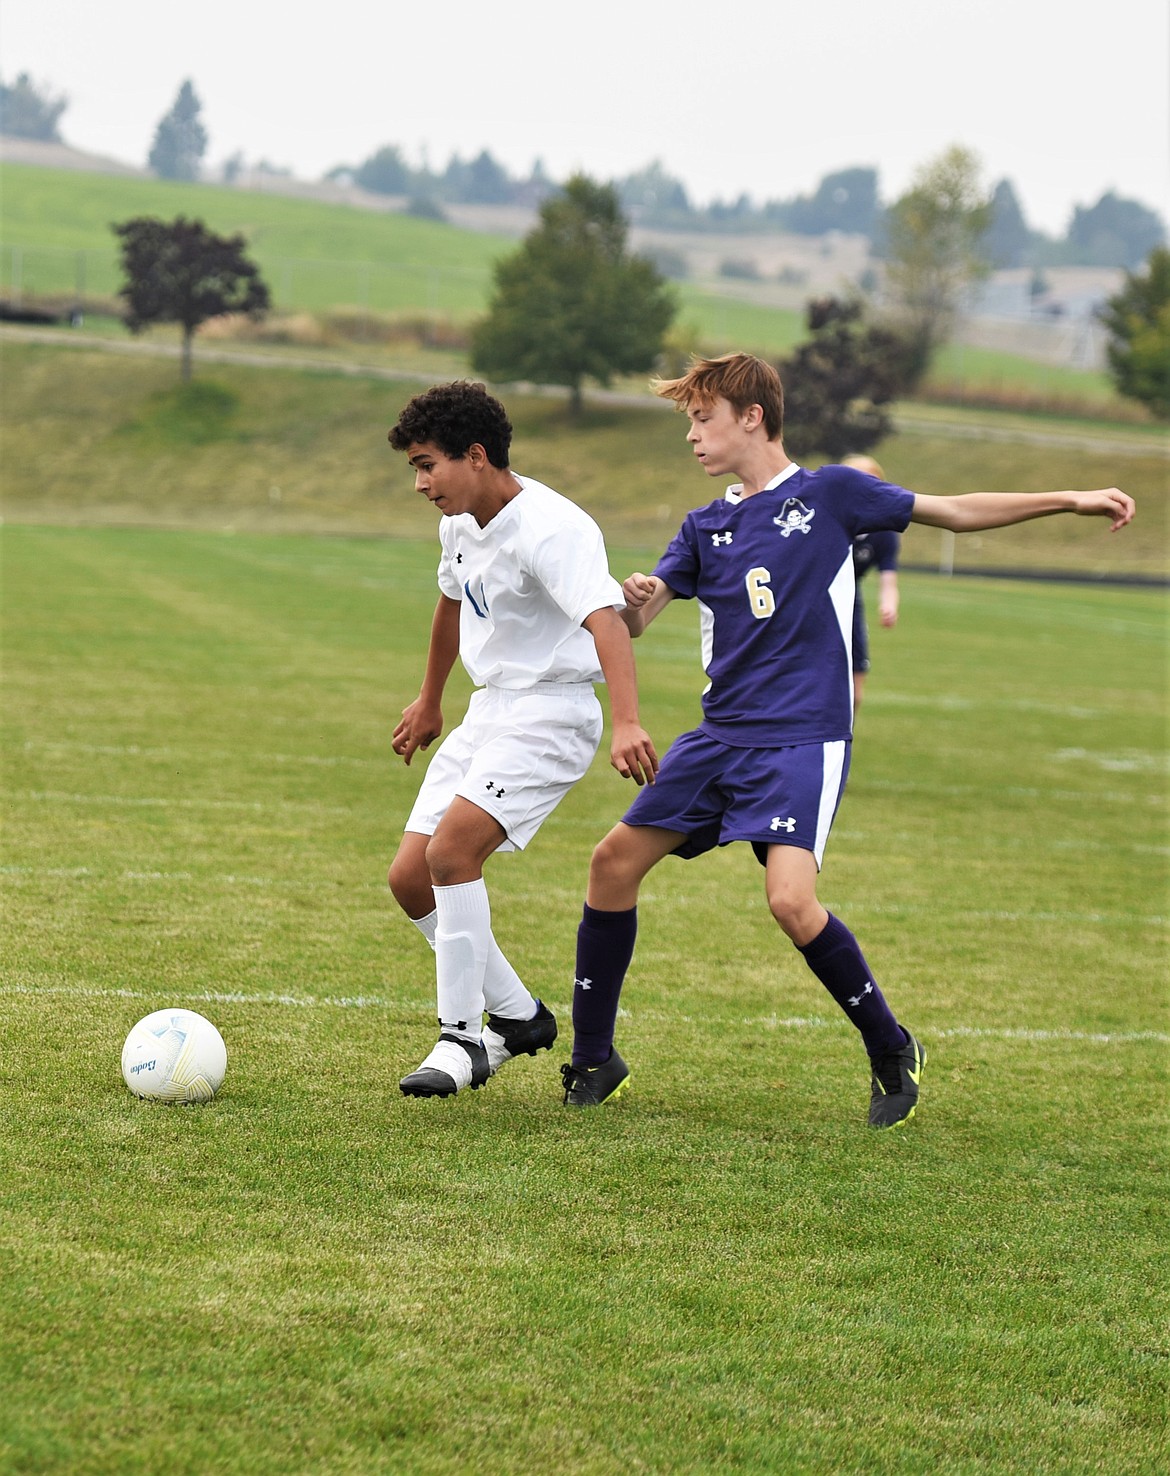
(56, 240)
(93, 436)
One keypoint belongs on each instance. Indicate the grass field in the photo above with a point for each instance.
(727, 1271)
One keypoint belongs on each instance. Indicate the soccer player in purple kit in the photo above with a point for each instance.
(771, 567)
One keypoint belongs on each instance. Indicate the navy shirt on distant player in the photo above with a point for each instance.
(774, 578)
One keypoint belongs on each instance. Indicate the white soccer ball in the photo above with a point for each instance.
(174, 1056)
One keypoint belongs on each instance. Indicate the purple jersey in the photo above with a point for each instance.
(773, 575)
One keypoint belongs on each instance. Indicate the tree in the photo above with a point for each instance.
(572, 303)
(180, 140)
(1008, 237)
(838, 386)
(28, 111)
(487, 182)
(1138, 322)
(180, 272)
(385, 173)
(844, 201)
(934, 244)
(1114, 232)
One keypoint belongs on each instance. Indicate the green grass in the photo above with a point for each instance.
(107, 437)
(728, 1271)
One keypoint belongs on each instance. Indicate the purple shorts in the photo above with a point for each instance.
(715, 794)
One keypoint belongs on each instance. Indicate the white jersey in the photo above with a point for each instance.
(525, 583)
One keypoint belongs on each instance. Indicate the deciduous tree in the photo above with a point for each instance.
(572, 303)
(840, 384)
(180, 272)
(935, 244)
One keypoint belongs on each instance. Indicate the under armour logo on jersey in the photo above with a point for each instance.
(788, 825)
(493, 788)
(718, 538)
(483, 614)
(582, 983)
(794, 517)
(855, 999)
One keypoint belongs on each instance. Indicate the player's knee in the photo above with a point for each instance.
(792, 908)
(403, 882)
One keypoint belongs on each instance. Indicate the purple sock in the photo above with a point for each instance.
(605, 945)
(836, 959)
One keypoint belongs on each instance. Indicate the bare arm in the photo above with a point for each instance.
(631, 751)
(973, 511)
(888, 597)
(422, 721)
(645, 596)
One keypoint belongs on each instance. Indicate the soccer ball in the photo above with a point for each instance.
(174, 1056)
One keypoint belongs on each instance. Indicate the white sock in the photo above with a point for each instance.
(462, 942)
(504, 991)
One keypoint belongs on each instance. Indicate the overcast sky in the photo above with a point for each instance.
(1067, 98)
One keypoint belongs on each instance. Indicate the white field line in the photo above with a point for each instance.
(205, 755)
(760, 1022)
(159, 802)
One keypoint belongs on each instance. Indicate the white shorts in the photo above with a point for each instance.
(516, 754)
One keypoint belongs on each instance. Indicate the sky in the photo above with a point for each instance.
(1066, 98)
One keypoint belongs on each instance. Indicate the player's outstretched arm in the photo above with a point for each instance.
(631, 749)
(422, 720)
(645, 597)
(972, 512)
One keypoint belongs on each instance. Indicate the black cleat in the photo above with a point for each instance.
(590, 1086)
(506, 1039)
(453, 1064)
(894, 1093)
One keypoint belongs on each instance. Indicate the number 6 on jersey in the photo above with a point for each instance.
(760, 597)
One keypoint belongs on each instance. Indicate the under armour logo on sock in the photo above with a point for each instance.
(582, 983)
(788, 825)
(855, 999)
(493, 788)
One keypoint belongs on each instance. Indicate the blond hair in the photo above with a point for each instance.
(865, 464)
(740, 379)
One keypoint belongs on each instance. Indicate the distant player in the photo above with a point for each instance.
(771, 567)
(527, 601)
(877, 550)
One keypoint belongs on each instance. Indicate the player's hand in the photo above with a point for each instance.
(632, 754)
(1109, 502)
(421, 724)
(888, 612)
(637, 590)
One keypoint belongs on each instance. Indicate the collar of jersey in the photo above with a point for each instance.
(734, 493)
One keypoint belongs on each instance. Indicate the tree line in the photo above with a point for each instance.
(1113, 232)
(572, 304)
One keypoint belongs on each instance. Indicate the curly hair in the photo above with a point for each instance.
(454, 417)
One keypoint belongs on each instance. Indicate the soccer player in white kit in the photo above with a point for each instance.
(527, 601)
